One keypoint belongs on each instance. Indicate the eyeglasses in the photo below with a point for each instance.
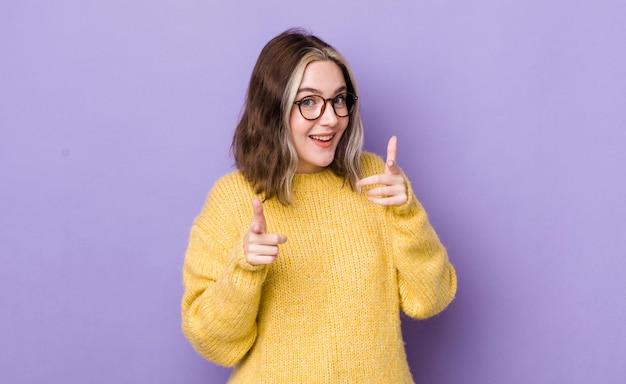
(312, 107)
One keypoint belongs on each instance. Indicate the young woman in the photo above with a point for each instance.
(301, 260)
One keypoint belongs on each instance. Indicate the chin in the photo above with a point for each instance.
(325, 163)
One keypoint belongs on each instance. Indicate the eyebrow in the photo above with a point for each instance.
(317, 91)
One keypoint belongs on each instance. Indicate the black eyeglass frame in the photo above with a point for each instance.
(350, 109)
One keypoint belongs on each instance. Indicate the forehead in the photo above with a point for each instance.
(324, 76)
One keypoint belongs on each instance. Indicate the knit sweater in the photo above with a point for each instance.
(328, 309)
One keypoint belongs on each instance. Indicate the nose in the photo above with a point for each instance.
(328, 116)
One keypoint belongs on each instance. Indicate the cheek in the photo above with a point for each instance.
(298, 125)
(293, 118)
(344, 125)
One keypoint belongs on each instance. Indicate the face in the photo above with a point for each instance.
(316, 140)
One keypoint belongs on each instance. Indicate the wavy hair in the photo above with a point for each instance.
(262, 146)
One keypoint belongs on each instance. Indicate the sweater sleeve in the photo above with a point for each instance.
(222, 291)
(426, 280)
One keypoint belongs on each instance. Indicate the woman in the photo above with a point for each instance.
(301, 260)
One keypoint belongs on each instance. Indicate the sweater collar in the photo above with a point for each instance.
(325, 179)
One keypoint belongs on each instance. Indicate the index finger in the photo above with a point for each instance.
(258, 218)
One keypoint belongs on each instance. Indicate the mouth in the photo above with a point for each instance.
(322, 138)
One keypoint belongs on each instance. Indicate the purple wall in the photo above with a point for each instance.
(116, 117)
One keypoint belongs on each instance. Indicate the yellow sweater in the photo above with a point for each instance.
(328, 309)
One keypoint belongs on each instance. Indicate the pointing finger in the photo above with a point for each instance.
(281, 239)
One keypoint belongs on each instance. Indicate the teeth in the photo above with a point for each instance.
(322, 138)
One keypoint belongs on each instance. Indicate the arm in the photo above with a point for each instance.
(426, 279)
(222, 290)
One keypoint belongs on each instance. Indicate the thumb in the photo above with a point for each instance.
(392, 167)
(259, 226)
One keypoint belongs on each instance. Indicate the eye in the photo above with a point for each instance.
(339, 101)
(308, 102)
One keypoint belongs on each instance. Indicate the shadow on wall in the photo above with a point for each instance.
(456, 334)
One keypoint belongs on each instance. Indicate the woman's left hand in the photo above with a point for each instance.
(392, 188)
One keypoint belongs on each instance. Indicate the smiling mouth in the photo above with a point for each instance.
(322, 138)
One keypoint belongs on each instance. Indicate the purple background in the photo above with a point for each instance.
(116, 118)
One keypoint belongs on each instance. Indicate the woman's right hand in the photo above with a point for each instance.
(261, 247)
